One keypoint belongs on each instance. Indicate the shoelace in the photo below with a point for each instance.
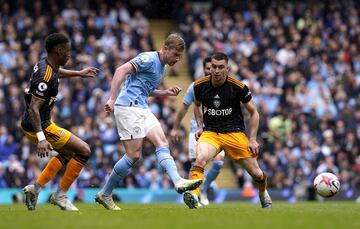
(63, 199)
(109, 200)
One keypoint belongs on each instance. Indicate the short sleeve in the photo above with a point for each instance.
(141, 62)
(245, 94)
(197, 94)
(40, 82)
(189, 95)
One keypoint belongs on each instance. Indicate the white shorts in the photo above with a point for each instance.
(134, 122)
(192, 147)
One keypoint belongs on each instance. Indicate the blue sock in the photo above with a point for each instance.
(121, 169)
(167, 163)
(212, 174)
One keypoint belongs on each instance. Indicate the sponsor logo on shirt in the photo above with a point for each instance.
(219, 112)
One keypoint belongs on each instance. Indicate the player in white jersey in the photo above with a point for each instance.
(134, 120)
(219, 159)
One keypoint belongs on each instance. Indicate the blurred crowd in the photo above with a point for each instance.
(102, 36)
(300, 60)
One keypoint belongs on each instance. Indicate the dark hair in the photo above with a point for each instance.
(206, 60)
(220, 56)
(55, 39)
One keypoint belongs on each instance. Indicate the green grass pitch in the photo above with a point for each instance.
(168, 215)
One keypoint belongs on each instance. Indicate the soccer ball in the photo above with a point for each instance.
(326, 184)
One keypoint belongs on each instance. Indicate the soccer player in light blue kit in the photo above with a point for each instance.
(219, 159)
(134, 120)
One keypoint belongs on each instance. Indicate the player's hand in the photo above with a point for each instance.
(109, 106)
(198, 134)
(174, 134)
(89, 72)
(43, 148)
(174, 91)
(253, 146)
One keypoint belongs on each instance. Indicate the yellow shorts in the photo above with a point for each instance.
(234, 144)
(54, 134)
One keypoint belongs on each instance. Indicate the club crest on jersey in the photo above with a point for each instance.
(144, 58)
(137, 130)
(42, 86)
(216, 101)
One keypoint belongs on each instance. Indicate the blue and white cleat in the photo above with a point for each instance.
(191, 200)
(31, 195)
(265, 199)
(106, 201)
(184, 185)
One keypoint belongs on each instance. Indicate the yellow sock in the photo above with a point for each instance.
(51, 169)
(71, 173)
(197, 172)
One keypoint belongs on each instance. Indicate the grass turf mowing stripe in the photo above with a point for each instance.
(169, 215)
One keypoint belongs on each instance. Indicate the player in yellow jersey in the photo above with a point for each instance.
(220, 96)
(218, 161)
(37, 125)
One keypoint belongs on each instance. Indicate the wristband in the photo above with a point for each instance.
(40, 136)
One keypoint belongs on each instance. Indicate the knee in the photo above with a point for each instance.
(83, 153)
(257, 175)
(200, 162)
(85, 150)
(134, 156)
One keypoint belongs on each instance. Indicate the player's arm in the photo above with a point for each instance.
(120, 76)
(86, 72)
(174, 133)
(179, 117)
(173, 91)
(254, 125)
(34, 112)
(199, 118)
(43, 146)
(187, 101)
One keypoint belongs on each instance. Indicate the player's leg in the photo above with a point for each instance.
(57, 137)
(236, 147)
(157, 137)
(31, 191)
(120, 170)
(211, 175)
(206, 149)
(252, 167)
(130, 123)
(82, 153)
(192, 152)
(192, 147)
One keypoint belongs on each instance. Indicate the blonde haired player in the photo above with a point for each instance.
(134, 120)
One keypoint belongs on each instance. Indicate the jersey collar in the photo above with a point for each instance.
(221, 84)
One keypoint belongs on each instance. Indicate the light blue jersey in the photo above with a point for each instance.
(188, 99)
(149, 73)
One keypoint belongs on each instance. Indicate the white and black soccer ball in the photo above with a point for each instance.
(326, 184)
